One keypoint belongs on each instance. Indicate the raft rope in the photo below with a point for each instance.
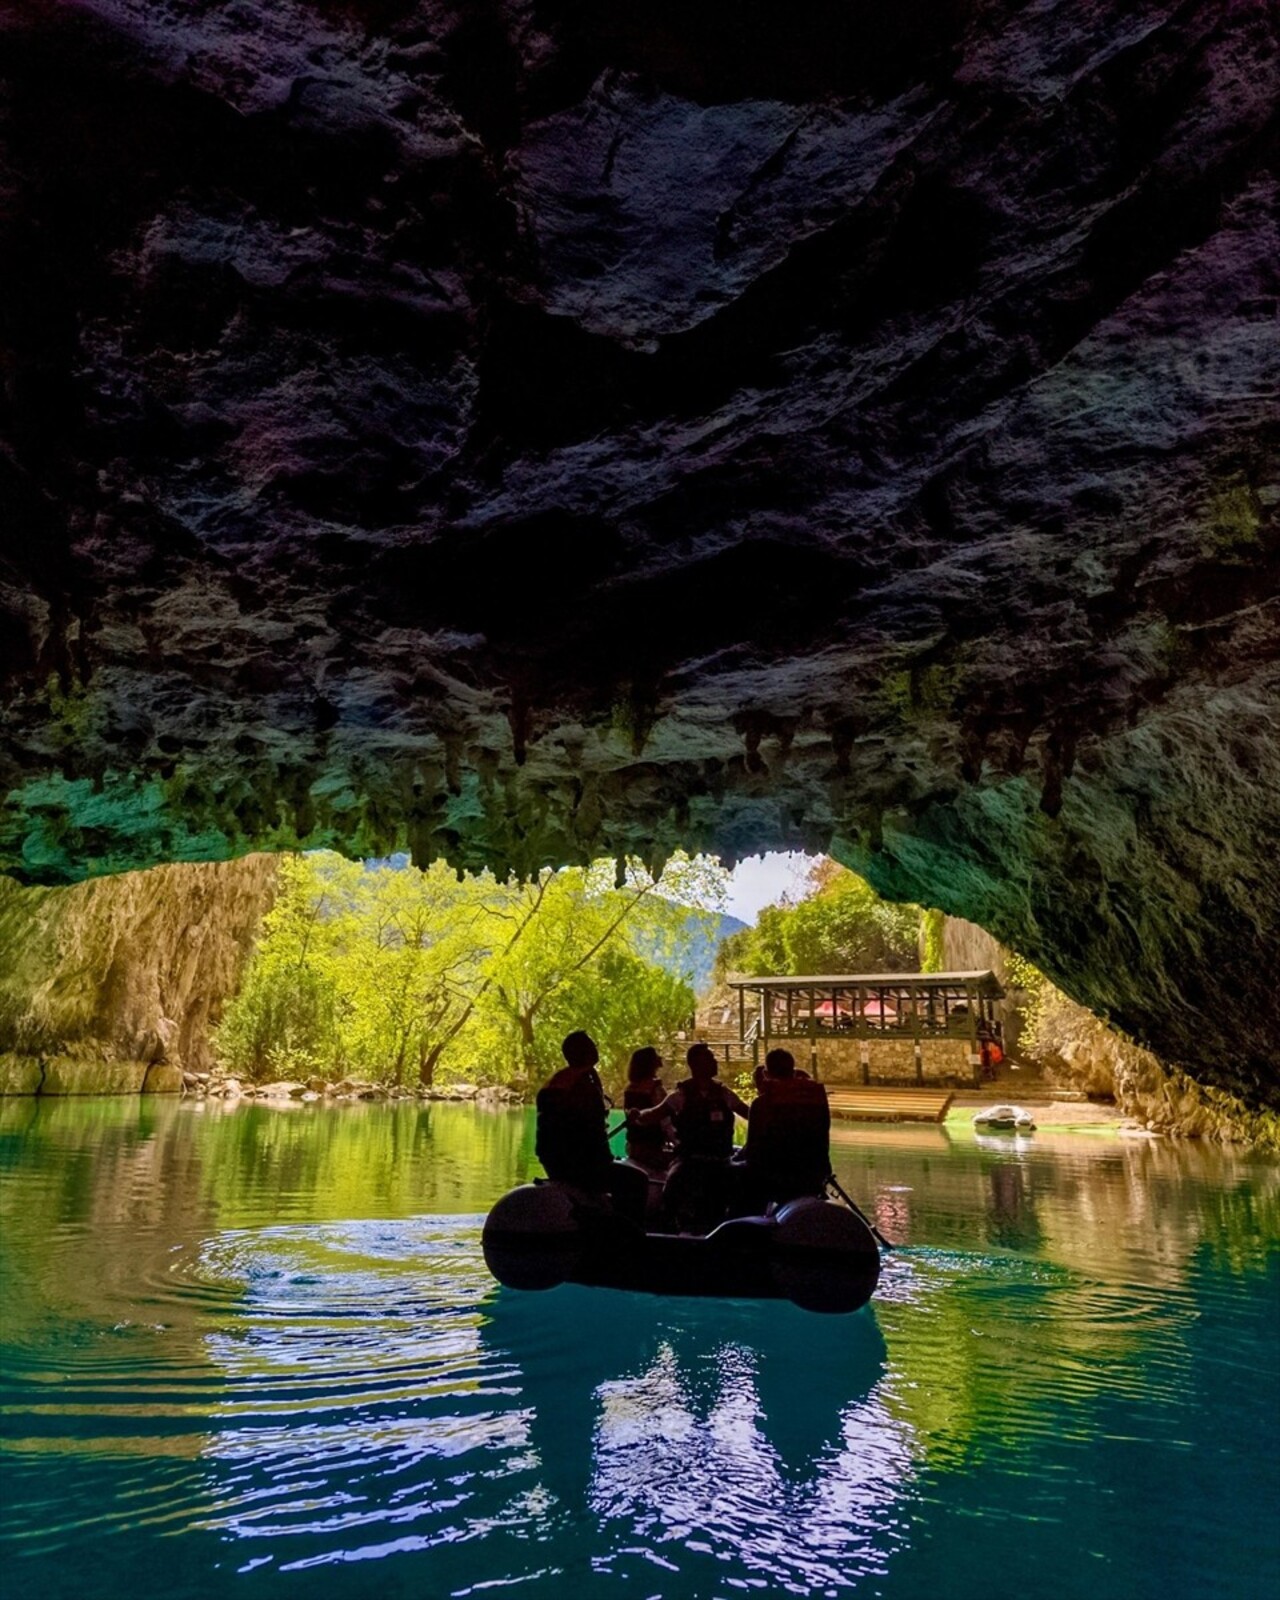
(834, 1183)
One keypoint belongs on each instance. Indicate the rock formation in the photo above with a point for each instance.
(528, 430)
(114, 985)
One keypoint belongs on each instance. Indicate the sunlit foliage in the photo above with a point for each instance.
(842, 925)
(390, 973)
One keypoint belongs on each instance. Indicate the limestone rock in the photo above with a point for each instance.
(99, 971)
(533, 432)
(496, 1095)
(163, 1078)
(85, 1075)
(20, 1074)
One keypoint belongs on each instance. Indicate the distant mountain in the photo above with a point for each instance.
(694, 955)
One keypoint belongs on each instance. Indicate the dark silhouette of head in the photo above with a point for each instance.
(646, 1063)
(702, 1062)
(579, 1050)
(780, 1064)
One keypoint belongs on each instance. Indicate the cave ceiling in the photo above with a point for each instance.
(529, 430)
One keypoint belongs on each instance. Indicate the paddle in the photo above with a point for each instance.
(834, 1183)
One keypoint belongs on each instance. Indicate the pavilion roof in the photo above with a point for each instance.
(985, 980)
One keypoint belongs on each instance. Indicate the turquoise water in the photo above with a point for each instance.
(257, 1352)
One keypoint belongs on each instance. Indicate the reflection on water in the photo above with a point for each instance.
(262, 1348)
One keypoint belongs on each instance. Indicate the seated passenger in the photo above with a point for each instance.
(571, 1141)
(646, 1144)
(702, 1112)
(788, 1151)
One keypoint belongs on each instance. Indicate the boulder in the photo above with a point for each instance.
(163, 1078)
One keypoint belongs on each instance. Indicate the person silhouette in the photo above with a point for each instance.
(788, 1149)
(571, 1141)
(701, 1110)
(646, 1143)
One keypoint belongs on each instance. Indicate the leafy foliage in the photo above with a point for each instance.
(390, 973)
(841, 926)
(932, 933)
(1037, 995)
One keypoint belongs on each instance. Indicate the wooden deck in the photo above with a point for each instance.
(890, 1105)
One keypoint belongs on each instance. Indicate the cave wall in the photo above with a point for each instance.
(114, 985)
(531, 431)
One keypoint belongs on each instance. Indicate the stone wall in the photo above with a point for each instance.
(889, 1060)
(114, 986)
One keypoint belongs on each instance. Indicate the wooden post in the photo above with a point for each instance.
(813, 1036)
(914, 1001)
(742, 1013)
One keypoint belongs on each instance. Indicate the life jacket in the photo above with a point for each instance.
(571, 1141)
(704, 1123)
(645, 1142)
(789, 1136)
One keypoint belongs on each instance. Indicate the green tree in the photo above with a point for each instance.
(385, 971)
(847, 927)
(842, 925)
(408, 947)
(285, 1019)
(552, 974)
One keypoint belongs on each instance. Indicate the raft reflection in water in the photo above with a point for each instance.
(703, 1432)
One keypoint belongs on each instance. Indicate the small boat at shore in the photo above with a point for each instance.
(812, 1251)
(1004, 1119)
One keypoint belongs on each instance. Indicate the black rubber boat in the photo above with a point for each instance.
(814, 1252)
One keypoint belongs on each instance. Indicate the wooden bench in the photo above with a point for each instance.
(890, 1105)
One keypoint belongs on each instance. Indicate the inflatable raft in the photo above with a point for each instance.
(1004, 1119)
(814, 1252)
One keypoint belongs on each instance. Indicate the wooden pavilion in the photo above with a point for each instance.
(881, 1027)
